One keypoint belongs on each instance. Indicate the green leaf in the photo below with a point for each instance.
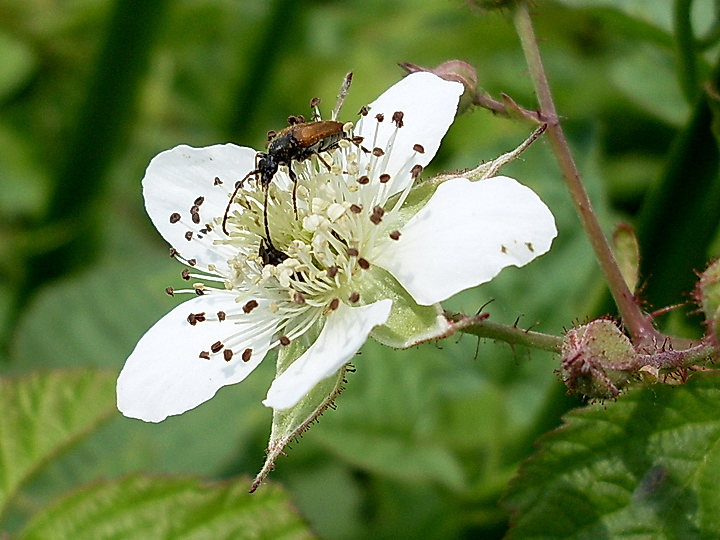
(646, 466)
(44, 413)
(146, 508)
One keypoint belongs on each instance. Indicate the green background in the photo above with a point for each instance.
(424, 442)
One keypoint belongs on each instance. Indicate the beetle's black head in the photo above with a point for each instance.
(267, 166)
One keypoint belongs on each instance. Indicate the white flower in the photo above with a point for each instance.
(362, 253)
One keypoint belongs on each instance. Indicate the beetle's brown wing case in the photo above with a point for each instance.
(311, 133)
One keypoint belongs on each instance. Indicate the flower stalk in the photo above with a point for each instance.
(479, 326)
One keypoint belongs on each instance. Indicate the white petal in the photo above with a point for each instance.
(164, 375)
(428, 104)
(345, 331)
(176, 178)
(465, 235)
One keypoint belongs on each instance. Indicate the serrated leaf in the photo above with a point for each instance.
(147, 508)
(646, 466)
(44, 413)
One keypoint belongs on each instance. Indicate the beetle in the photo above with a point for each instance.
(294, 143)
(297, 142)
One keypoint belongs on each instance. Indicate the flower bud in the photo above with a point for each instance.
(597, 360)
(707, 295)
(453, 70)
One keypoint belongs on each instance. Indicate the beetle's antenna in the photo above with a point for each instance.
(238, 185)
(341, 96)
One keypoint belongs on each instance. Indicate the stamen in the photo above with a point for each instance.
(249, 306)
(246, 355)
(217, 347)
(284, 341)
(174, 217)
(228, 354)
(354, 298)
(395, 235)
(204, 355)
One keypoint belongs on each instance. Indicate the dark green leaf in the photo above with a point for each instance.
(644, 466)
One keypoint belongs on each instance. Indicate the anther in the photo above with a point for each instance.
(217, 181)
(188, 235)
(354, 298)
(247, 353)
(419, 148)
(395, 235)
(170, 291)
(397, 118)
(195, 318)
(530, 246)
(204, 355)
(298, 298)
(227, 355)
(378, 152)
(364, 110)
(249, 306)
(384, 178)
(199, 292)
(284, 341)
(174, 217)
(363, 180)
(174, 252)
(334, 304)
(271, 135)
(363, 263)
(332, 271)
(195, 218)
(221, 315)
(355, 209)
(199, 201)
(379, 117)
(192, 262)
(185, 274)
(353, 252)
(416, 171)
(314, 102)
(357, 140)
(217, 347)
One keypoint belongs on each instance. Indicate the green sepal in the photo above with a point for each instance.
(287, 425)
(627, 252)
(409, 323)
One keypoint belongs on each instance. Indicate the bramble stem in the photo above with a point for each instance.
(637, 323)
(479, 326)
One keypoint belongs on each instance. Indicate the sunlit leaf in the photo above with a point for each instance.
(44, 413)
(147, 508)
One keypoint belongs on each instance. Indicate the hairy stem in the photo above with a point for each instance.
(478, 325)
(638, 324)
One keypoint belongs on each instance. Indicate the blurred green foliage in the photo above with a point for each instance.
(424, 441)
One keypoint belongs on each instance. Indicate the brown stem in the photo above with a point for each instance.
(637, 323)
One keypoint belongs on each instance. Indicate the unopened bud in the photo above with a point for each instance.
(598, 360)
(453, 70)
(707, 295)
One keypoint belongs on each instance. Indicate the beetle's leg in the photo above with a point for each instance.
(238, 185)
(323, 161)
(266, 189)
(294, 179)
